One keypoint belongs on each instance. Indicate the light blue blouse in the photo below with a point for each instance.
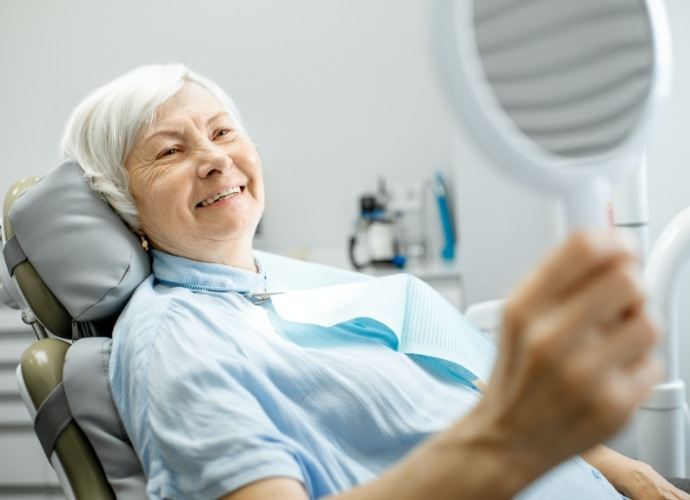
(216, 391)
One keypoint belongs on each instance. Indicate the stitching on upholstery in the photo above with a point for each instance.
(105, 367)
(122, 278)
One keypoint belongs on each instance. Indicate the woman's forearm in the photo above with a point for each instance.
(471, 460)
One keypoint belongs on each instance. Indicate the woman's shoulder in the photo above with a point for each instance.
(150, 308)
(145, 299)
(155, 308)
(154, 319)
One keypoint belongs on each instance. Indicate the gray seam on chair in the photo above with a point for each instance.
(13, 253)
(51, 419)
(105, 366)
(122, 278)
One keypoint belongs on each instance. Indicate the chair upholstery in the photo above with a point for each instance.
(41, 368)
(88, 261)
(87, 388)
(66, 232)
(40, 299)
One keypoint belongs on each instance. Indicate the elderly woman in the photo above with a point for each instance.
(222, 399)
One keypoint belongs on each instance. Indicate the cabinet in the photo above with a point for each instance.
(24, 471)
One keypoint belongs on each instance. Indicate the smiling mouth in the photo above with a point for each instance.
(228, 193)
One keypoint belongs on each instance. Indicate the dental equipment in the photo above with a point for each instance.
(663, 418)
(562, 95)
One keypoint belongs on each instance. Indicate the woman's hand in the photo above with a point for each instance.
(638, 481)
(632, 478)
(574, 362)
(574, 359)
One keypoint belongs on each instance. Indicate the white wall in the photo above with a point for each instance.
(504, 225)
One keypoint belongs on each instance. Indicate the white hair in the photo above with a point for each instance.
(100, 133)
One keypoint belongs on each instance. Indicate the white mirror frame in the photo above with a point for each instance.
(584, 179)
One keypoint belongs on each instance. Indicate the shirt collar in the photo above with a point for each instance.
(172, 270)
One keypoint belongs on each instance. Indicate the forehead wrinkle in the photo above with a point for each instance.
(175, 132)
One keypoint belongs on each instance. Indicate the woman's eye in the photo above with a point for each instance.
(167, 152)
(222, 132)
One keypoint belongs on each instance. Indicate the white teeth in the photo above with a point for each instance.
(224, 194)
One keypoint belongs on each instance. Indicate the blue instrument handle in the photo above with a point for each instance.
(448, 250)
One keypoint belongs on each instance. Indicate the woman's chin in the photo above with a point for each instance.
(228, 229)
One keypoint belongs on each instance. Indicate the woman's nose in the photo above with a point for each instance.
(213, 159)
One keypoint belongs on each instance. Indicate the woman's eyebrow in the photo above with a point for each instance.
(164, 132)
(171, 132)
(218, 115)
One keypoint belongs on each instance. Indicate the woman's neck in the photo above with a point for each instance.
(241, 256)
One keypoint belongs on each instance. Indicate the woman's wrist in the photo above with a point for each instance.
(472, 460)
(618, 469)
(495, 459)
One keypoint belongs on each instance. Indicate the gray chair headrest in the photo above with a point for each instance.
(81, 249)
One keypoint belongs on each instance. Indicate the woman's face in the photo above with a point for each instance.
(196, 180)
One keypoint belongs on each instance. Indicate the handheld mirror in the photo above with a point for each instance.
(557, 92)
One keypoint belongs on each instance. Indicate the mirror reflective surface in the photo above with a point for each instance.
(572, 76)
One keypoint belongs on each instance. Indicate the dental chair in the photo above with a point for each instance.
(71, 265)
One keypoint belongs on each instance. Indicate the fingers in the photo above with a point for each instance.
(591, 280)
(632, 385)
(632, 368)
(616, 362)
(607, 304)
(629, 342)
(605, 300)
(583, 255)
(576, 343)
